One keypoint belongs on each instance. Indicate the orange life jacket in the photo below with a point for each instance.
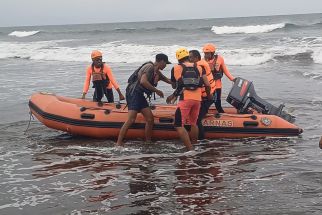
(204, 65)
(216, 68)
(100, 75)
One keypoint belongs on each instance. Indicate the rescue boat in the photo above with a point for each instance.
(86, 118)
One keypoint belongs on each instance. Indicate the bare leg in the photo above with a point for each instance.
(184, 136)
(194, 134)
(130, 120)
(320, 144)
(147, 113)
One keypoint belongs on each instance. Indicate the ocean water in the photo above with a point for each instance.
(44, 171)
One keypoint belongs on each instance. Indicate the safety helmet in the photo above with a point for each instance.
(182, 53)
(96, 53)
(209, 47)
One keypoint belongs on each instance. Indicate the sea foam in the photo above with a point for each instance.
(288, 49)
(23, 33)
(249, 29)
(317, 56)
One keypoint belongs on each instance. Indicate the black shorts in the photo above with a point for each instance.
(136, 101)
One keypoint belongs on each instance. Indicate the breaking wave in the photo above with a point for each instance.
(306, 50)
(23, 33)
(249, 29)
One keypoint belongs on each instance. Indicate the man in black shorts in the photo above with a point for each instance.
(143, 81)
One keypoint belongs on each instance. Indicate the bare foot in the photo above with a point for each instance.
(119, 144)
(190, 152)
(119, 148)
(148, 141)
(320, 144)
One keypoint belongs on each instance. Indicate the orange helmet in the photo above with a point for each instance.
(209, 47)
(96, 53)
(181, 53)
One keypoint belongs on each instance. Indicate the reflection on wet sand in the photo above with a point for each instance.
(198, 182)
(131, 182)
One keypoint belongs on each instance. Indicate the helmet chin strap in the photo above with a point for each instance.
(98, 65)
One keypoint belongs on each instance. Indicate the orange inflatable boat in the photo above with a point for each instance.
(86, 118)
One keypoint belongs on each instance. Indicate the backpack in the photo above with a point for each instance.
(190, 77)
(134, 77)
(133, 81)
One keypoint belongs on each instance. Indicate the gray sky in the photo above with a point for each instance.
(51, 12)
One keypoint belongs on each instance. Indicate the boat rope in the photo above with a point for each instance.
(30, 116)
(235, 115)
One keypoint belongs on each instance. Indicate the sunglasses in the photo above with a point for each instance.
(97, 59)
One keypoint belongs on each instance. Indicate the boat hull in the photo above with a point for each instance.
(86, 118)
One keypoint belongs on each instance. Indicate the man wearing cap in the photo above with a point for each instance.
(102, 78)
(143, 81)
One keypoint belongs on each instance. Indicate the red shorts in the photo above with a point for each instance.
(187, 113)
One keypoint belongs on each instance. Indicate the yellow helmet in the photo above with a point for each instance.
(182, 53)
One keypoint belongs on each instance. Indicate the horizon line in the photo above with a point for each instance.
(165, 20)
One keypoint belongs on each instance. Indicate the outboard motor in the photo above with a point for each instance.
(244, 98)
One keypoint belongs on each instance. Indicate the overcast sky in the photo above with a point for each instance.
(51, 12)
